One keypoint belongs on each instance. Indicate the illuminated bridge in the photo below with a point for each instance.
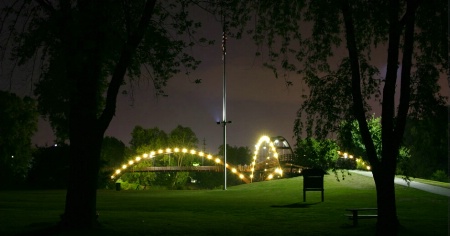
(272, 158)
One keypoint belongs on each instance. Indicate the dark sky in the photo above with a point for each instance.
(257, 103)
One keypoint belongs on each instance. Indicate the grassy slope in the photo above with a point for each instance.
(266, 208)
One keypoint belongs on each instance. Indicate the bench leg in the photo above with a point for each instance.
(355, 218)
(304, 195)
(322, 195)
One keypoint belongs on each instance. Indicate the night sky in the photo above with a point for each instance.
(257, 103)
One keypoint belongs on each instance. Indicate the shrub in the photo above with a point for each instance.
(440, 176)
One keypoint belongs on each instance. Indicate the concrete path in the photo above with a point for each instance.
(412, 184)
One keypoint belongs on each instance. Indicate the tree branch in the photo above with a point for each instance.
(356, 85)
(405, 91)
(388, 109)
(46, 5)
(121, 67)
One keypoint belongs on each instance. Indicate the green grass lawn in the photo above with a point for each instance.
(265, 208)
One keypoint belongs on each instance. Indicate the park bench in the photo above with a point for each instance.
(355, 214)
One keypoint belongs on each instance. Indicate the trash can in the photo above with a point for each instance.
(117, 186)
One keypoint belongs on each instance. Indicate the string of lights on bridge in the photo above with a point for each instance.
(239, 171)
(269, 165)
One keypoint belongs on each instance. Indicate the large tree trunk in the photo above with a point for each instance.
(84, 53)
(86, 126)
(387, 223)
(85, 144)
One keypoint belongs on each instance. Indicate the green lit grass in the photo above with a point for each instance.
(266, 208)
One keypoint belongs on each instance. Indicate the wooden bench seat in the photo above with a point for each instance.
(355, 214)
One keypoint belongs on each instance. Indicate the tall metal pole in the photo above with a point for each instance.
(224, 103)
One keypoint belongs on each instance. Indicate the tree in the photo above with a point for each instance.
(350, 140)
(112, 155)
(308, 38)
(146, 140)
(237, 155)
(88, 48)
(49, 167)
(314, 153)
(183, 137)
(428, 136)
(18, 122)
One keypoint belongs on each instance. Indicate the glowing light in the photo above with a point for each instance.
(270, 176)
(368, 167)
(217, 160)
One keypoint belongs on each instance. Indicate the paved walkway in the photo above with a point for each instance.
(412, 184)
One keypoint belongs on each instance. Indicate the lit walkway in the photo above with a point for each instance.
(412, 184)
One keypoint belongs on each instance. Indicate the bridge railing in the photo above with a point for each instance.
(177, 169)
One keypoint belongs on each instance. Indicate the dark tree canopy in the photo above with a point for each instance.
(237, 155)
(350, 55)
(18, 123)
(160, 55)
(428, 137)
(85, 51)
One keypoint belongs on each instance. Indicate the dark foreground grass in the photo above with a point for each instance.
(265, 208)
